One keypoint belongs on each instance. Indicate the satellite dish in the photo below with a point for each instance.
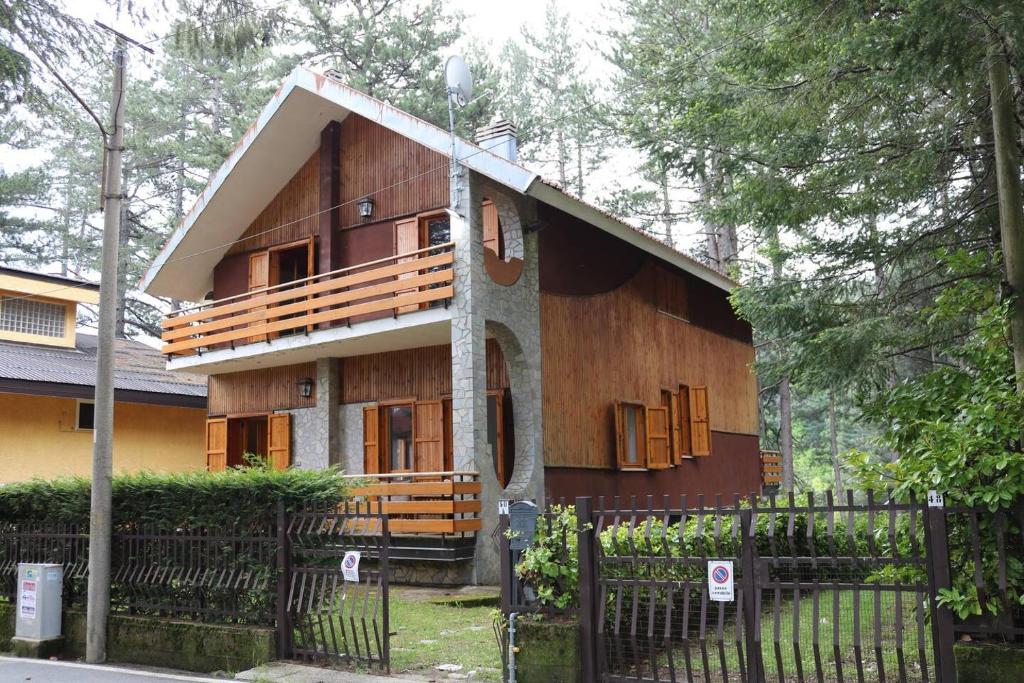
(458, 79)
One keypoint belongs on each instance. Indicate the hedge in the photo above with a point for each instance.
(237, 496)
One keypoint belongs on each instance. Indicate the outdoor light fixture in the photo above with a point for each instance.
(305, 387)
(365, 207)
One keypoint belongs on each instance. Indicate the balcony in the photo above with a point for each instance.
(325, 309)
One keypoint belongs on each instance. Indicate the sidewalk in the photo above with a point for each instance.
(14, 669)
(285, 672)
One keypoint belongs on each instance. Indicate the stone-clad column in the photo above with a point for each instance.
(316, 437)
(469, 355)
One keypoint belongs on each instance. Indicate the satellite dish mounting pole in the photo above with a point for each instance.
(454, 173)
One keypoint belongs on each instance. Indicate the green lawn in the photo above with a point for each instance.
(428, 635)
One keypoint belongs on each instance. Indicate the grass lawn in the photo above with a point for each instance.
(428, 635)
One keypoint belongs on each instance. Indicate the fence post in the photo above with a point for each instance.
(284, 573)
(748, 583)
(939, 575)
(587, 586)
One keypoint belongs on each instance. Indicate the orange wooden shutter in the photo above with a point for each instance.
(279, 440)
(407, 238)
(675, 429)
(700, 426)
(491, 227)
(620, 435)
(371, 453)
(658, 456)
(216, 444)
(259, 277)
(685, 428)
(428, 435)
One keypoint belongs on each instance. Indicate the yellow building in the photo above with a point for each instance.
(47, 381)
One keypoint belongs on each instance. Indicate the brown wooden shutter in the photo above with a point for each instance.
(259, 277)
(620, 435)
(675, 428)
(685, 428)
(279, 440)
(217, 444)
(371, 452)
(428, 436)
(491, 228)
(658, 456)
(407, 238)
(700, 426)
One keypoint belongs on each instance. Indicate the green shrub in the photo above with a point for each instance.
(245, 497)
(551, 564)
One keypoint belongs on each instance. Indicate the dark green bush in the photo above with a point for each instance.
(236, 497)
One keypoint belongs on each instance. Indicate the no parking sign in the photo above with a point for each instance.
(720, 581)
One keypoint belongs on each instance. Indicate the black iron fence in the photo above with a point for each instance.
(814, 588)
(285, 574)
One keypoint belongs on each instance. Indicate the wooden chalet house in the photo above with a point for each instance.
(524, 344)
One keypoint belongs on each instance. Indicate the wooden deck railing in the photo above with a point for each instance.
(429, 503)
(771, 469)
(396, 284)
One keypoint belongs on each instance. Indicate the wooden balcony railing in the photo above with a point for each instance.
(771, 469)
(396, 284)
(429, 503)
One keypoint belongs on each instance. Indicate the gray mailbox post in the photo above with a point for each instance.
(37, 622)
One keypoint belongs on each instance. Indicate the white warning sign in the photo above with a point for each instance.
(350, 566)
(27, 600)
(720, 581)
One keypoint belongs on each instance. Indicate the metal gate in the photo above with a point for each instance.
(824, 591)
(324, 617)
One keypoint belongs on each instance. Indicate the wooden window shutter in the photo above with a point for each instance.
(491, 228)
(428, 436)
(658, 456)
(626, 414)
(620, 435)
(700, 426)
(259, 277)
(279, 440)
(371, 435)
(217, 444)
(675, 427)
(407, 238)
(685, 428)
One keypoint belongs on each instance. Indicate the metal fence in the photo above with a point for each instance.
(825, 588)
(284, 574)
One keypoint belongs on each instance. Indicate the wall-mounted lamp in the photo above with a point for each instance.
(365, 207)
(305, 386)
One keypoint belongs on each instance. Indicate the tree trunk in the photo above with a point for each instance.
(786, 433)
(666, 206)
(707, 198)
(1011, 211)
(833, 433)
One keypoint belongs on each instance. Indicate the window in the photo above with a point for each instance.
(670, 293)
(630, 435)
(28, 316)
(399, 442)
(86, 415)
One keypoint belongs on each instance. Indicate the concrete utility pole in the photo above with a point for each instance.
(100, 522)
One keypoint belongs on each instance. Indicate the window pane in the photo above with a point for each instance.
(439, 231)
(630, 415)
(86, 415)
(400, 437)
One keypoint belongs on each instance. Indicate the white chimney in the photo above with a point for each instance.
(499, 138)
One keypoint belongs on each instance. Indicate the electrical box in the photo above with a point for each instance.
(40, 591)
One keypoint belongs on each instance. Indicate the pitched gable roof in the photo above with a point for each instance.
(284, 136)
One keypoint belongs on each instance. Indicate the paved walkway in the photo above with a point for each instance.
(13, 670)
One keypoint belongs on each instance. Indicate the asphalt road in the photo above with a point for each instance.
(14, 670)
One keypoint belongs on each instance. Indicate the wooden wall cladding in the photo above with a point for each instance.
(296, 205)
(635, 351)
(260, 391)
(374, 158)
(424, 374)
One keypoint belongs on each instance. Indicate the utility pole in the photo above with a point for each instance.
(100, 522)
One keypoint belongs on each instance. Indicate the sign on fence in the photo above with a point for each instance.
(720, 581)
(350, 566)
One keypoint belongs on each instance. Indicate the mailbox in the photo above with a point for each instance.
(40, 591)
(522, 522)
